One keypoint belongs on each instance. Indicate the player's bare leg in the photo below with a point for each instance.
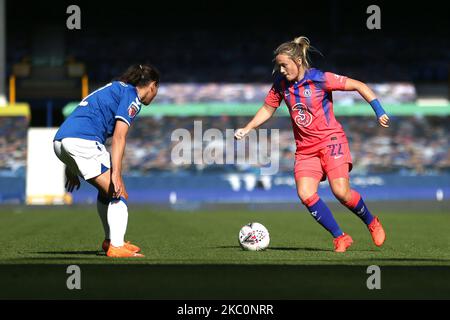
(307, 192)
(354, 202)
(307, 187)
(117, 219)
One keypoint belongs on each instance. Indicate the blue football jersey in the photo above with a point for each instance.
(95, 116)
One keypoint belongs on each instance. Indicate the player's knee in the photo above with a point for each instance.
(303, 194)
(306, 195)
(344, 195)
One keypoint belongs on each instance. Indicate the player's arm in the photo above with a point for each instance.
(370, 97)
(117, 152)
(262, 115)
(271, 103)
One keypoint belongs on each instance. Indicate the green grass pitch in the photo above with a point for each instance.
(195, 254)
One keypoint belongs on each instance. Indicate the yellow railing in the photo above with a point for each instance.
(12, 89)
(84, 86)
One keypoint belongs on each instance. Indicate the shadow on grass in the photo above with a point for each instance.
(36, 260)
(86, 252)
(403, 259)
(219, 282)
(227, 247)
(279, 248)
(297, 249)
(308, 249)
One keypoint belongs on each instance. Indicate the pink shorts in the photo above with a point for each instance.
(334, 161)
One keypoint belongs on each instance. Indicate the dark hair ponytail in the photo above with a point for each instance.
(140, 75)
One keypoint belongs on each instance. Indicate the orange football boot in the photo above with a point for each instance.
(122, 252)
(107, 242)
(377, 232)
(342, 243)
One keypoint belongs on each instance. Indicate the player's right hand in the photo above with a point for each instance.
(241, 133)
(72, 181)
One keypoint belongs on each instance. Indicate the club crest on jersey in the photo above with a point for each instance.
(133, 109)
(307, 92)
(339, 78)
(303, 117)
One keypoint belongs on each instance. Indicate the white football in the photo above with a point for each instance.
(254, 237)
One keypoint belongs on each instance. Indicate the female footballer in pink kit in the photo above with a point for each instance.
(322, 146)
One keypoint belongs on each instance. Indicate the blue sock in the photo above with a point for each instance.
(362, 212)
(320, 211)
(358, 207)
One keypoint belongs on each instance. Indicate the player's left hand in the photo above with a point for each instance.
(72, 181)
(125, 193)
(384, 121)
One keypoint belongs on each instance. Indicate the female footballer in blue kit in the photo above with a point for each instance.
(79, 144)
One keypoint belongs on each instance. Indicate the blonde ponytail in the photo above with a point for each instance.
(297, 49)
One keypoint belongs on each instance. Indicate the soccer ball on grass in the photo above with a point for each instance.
(254, 237)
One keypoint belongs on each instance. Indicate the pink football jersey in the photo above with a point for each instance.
(310, 104)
